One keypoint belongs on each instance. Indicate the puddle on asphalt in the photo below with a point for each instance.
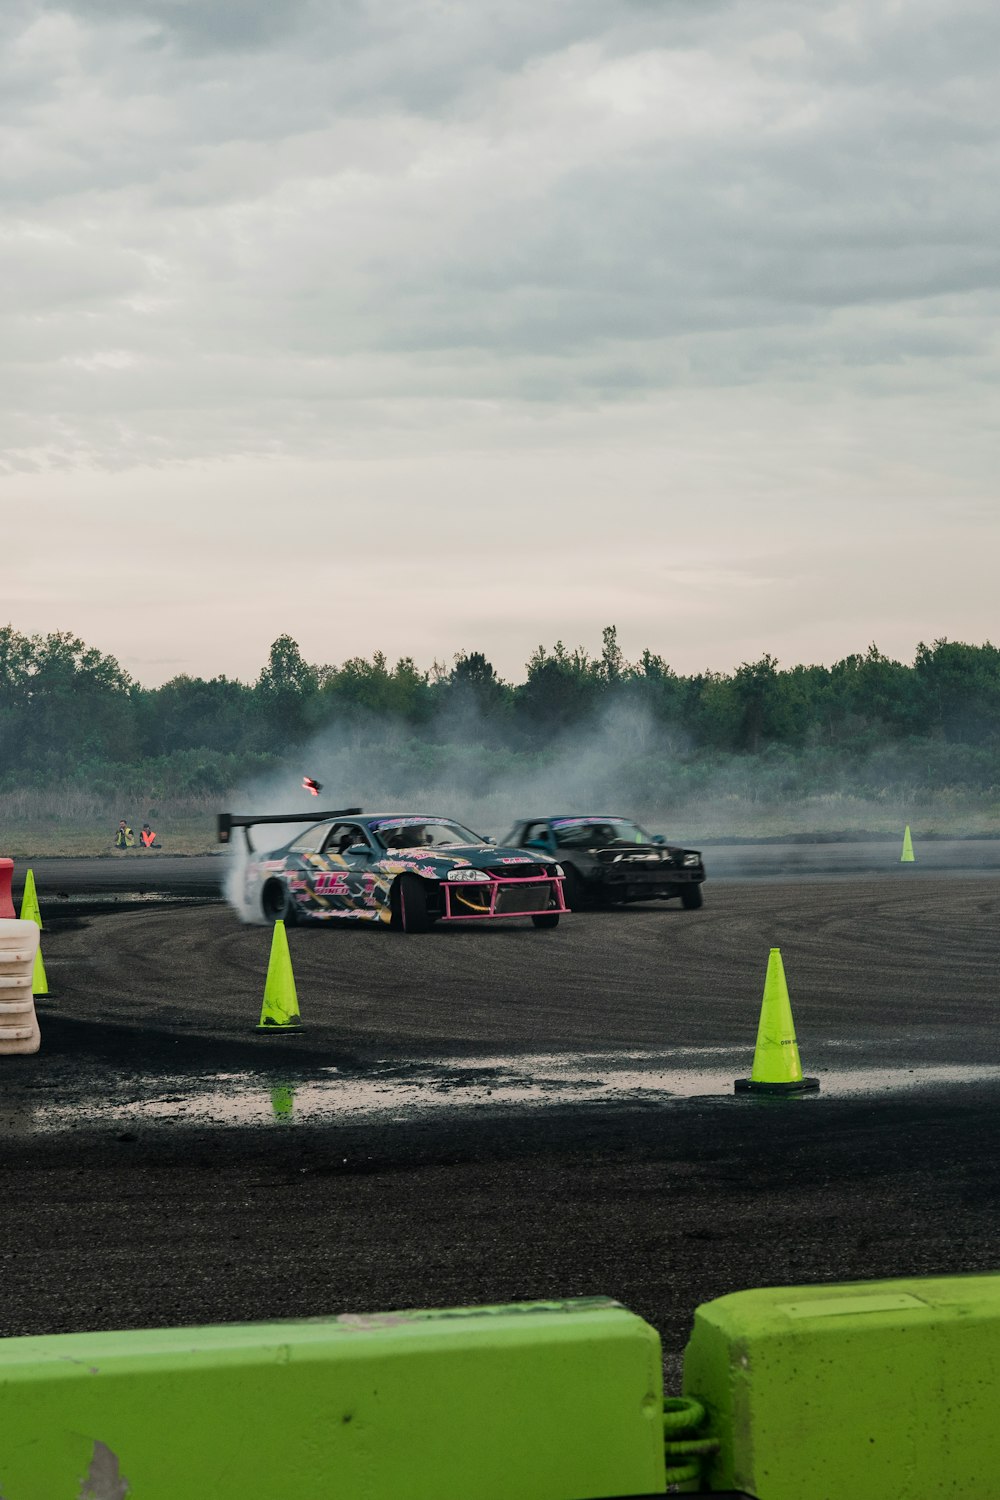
(125, 898)
(486, 1084)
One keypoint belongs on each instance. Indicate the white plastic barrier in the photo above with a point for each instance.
(18, 1023)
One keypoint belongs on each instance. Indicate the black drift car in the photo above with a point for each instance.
(612, 860)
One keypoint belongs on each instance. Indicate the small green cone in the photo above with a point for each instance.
(280, 1011)
(29, 902)
(39, 983)
(283, 1102)
(906, 858)
(31, 913)
(777, 1068)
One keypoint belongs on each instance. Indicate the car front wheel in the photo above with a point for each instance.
(692, 898)
(409, 905)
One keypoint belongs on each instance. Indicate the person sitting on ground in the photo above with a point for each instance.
(147, 835)
(124, 838)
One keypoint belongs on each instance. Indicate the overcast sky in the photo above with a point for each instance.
(422, 327)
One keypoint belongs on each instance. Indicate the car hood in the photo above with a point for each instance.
(465, 855)
(456, 854)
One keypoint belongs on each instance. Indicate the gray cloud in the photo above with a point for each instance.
(570, 177)
(734, 259)
(237, 25)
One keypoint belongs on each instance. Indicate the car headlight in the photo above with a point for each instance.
(466, 874)
(560, 872)
(691, 859)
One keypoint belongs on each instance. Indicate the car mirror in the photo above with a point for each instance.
(658, 838)
(488, 840)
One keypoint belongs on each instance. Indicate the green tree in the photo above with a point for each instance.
(472, 691)
(759, 700)
(189, 713)
(561, 689)
(363, 688)
(957, 688)
(285, 690)
(76, 704)
(613, 667)
(871, 697)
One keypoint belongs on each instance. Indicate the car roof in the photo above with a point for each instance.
(408, 817)
(584, 817)
(385, 818)
(371, 822)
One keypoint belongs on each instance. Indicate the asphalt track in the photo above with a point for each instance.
(496, 1113)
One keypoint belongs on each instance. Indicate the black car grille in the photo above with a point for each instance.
(639, 859)
(514, 899)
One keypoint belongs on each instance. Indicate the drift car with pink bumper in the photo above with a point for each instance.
(406, 871)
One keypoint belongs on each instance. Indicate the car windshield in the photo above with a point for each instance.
(422, 833)
(592, 833)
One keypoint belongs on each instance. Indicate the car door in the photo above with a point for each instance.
(346, 881)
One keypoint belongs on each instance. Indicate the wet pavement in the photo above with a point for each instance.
(489, 1086)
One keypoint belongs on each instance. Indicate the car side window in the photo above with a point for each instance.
(576, 836)
(342, 836)
(538, 833)
(312, 840)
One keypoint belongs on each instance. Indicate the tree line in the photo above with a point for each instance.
(70, 712)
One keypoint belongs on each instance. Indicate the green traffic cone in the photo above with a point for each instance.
(280, 1011)
(29, 902)
(777, 1068)
(39, 982)
(906, 858)
(30, 913)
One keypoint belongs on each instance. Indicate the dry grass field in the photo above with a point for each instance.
(74, 822)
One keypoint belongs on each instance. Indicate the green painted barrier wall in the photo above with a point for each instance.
(541, 1401)
(863, 1391)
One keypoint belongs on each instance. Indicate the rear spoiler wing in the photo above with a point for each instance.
(226, 822)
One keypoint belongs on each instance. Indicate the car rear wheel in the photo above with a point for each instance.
(276, 904)
(546, 919)
(409, 905)
(692, 898)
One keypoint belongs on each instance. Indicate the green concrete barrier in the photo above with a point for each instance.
(540, 1401)
(862, 1391)
(856, 1392)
